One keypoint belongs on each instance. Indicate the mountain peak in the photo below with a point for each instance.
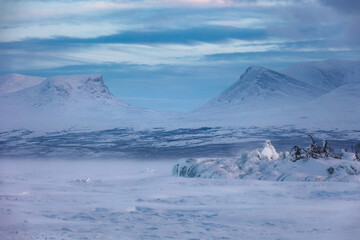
(259, 87)
(68, 89)
(78, 79)
(78, 82)
(75, 86)
(255, 68)
(262, 76)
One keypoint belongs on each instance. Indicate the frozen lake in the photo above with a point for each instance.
(123, 199)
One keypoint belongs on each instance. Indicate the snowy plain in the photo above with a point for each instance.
(77, 163)
(121, 199)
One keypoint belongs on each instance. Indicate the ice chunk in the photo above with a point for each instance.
(83, 180)
(266, 164)
(269, 152)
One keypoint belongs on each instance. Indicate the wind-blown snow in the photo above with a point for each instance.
(140, 200)
(76, 117)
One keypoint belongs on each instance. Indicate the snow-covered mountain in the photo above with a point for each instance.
(67, 101)
(337, 108)
(15, 82)
(326, 75)
(64, 90)
(260, 88)
(324, 95)
(319, 94)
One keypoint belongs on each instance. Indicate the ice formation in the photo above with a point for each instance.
(266, 164)
(269, 152)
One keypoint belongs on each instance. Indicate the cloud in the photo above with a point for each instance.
(239, 23)
(20, 11)
(74, 53)
(71, 30)
(188, 35)
(280, 59)
(28, 10)
(345, 6)
(82, 19)
(25, 10)
(348, 17)
(145, 46)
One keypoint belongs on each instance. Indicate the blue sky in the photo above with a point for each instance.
(172, 54)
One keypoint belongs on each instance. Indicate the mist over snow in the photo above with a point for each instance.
(76, 162)
(182, 119)
(141, 200)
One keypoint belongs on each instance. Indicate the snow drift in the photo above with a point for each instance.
(266, 164)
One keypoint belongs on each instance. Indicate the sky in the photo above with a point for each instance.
(172, 54)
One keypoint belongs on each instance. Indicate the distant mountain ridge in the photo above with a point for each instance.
(326, 75)
(62, 90)
(63, 101)
(327, 96)
(15, 82)
(260, 87)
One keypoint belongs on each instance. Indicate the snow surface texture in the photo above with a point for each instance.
(266, 164)
(161, 143)
(141, 200)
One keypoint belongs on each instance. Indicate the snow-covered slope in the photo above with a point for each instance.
(67, 101)
(326, 75)
(337, 108)
(261, 88)
(348, 95)
(62, 90)
(15, 82)
(263, 97)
